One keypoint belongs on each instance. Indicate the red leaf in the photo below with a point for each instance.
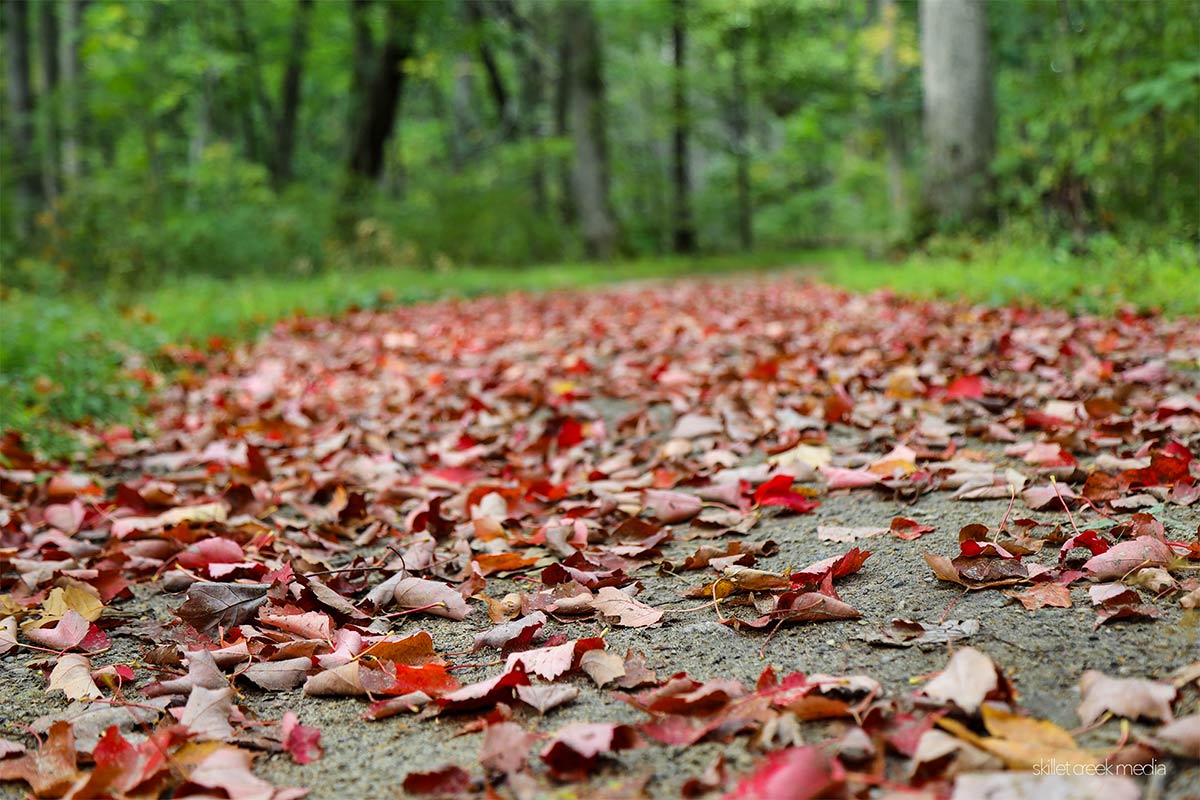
(965, 387)
(797, 773)
(909, 529)
(576, 749)
(778, 492)
(302, 742)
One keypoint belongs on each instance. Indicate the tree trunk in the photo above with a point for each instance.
(377, 119)
(289, 96)
(683, 230)
(586, 120)
(491, 68)
(27, 188)
(893, 130)
(72, 95)
(740, 124)
(959, 120)
(257, 87)
(532, 90)
(562, 96)
(48, 59)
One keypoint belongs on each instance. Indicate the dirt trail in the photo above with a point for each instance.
(569, 447)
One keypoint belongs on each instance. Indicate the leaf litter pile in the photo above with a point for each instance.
(493, 522)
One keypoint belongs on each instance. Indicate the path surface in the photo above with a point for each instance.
(461, 518)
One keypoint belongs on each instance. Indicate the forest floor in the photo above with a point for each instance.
(615, 543)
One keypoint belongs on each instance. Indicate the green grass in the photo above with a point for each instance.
(64, 359)
(995, 272)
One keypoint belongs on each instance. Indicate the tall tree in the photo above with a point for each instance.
(48, 60)
(587, 118)
(26, 188)
(289, 95)
(960, 128)
(562, 98)
(70, 77)
(683, 233)
(377, 115)
(893, 129)
(739, 120)
(497, 87)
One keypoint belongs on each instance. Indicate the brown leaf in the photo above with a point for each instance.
(1125, 697)
(432, 597)
(210, 606)
(50, 770)
(623, 610)
(1048, 593)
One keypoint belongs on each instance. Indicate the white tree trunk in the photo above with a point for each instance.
(959, 118)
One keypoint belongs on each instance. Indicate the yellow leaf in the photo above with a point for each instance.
(1021, 742)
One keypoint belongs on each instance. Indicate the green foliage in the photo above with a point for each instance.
(1098, 132)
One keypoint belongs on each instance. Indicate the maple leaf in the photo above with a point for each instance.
(545, 698)
(302, 742)
(574, 751)
(206, 715)
(624, 610)
(67, 633)
(451, 780)
(671, 507)
(798, 773)
(50, 770)
(907, 529)
(505, 747)
(227, 769)
(778, 491)
(72, 675)
(210, 606)
(1126, 697)
(500, 688)
(969, 678)
(432, 597)
(1125, 557)
(1022, 742)
(287, 673)
(1043, 594)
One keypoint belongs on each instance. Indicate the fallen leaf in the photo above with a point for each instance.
(1125, 557)
(574, 751)
(432, 597)
(797, 773)
(1043, 594)
(72, 675)
(210, 606)
(545, 698)
(623, 610)
(50, 770)
(506, 747)
(968, 679)
(1125, 697)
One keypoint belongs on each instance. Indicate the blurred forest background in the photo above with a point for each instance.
(222, 137)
